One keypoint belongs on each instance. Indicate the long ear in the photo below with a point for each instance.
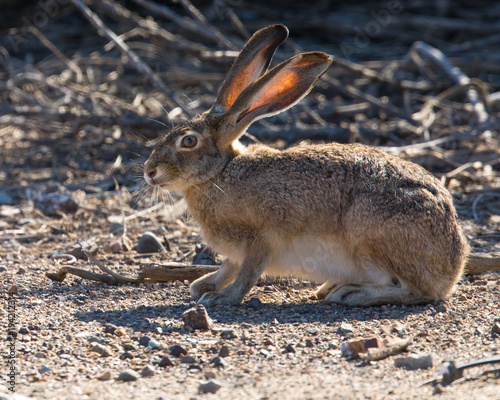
(276, 91)
(252, 62)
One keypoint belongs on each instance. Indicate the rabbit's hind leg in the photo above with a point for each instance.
(214, 281)
(362, 295)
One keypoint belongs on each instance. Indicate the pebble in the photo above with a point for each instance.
(129, 347)
(211, 386)
(219, 362)
(21, 271)
(2, 268)
(23, 330)
(105, 376)
(166, 362)
(224, 351)
(197, 318)
(149, 243)
(126, 356)
(153, 344)
(495, 329)
(147, 371)
(109, 328)
(144, 341)
(346, 329)
(309, 343)
(289, 348)
(228, 334)
(178, 351)
(44, 369)
(203, 259)
(254, 303)
(423, 361)
(116, 228)
(188, 360)
(101, 349)
(120, 331)
(128, 375)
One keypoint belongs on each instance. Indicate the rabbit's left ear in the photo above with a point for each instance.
(274, 92)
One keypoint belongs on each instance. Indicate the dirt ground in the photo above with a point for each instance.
(71, 150)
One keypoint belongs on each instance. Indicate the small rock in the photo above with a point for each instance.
(224, 351)
(21, 271)
(23, 330)
(463, 297)
(228, 334)
(495, 329)
(153, 344)
(346, 329)
(413, 362)
(128, 375)
(309, 343)
(149, 243)
(101, 349)
(188, 360)
(147, 371)
(126, 356)
(193, 367)
(166, 362)
(109, 328)
(254, 303)
(144, 341)
(211, 386)
(178, 351)
(120, 331)
(116, 228)
(210, 375)
(129, 347)
(219, 362)
(203, 259)
(289, 348)
(197, 318)
(2, 269)
(13, 290)
(44, 369)
(352, 348)
(105, 376)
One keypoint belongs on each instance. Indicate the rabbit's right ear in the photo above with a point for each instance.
(253, 61)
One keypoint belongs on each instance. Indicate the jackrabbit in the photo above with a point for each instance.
(375, 228)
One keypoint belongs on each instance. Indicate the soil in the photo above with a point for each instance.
(67, 182)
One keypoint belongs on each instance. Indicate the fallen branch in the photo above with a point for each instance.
(133, 58)
(438, 57)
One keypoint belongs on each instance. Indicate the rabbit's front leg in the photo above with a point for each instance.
(214, 281)
(251, 269)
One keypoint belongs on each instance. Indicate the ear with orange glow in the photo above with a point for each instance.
(280, 88)
(253, 61)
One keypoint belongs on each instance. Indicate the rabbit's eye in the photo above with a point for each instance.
(189, 141)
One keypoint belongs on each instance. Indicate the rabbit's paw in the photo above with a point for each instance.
(210, 299)
(346, 294)
(199, 287)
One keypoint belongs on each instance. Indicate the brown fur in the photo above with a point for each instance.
(389, 218)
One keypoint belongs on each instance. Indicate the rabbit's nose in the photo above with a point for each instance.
(152, 173)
